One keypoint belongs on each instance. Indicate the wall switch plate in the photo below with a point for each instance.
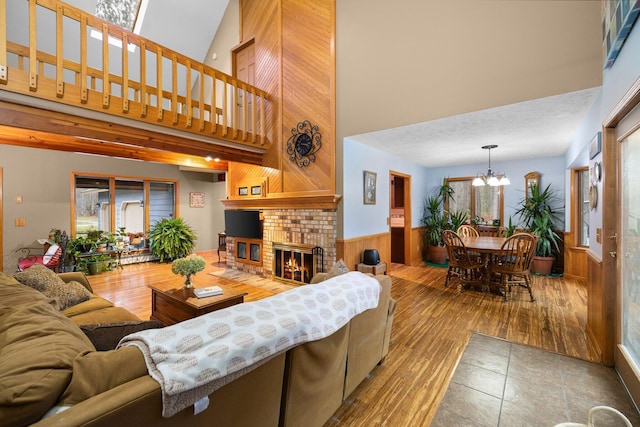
(21, 222)
(19, 199)
(599, 235)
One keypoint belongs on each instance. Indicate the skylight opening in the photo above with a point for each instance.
(127, 14)
(119, 12)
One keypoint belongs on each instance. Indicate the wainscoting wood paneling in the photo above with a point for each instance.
(596, 311)
(417, 246)
(575, 259)
(350, 250)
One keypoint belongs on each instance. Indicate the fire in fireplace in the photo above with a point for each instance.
(296, 263)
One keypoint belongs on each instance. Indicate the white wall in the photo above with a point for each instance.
(360, 219)
(551, 170)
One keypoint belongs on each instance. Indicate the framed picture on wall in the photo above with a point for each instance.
(369, 188)
(196, 200)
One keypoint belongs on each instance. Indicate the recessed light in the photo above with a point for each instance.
(208, 158)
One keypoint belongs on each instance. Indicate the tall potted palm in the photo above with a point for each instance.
(539, 211)
(436, 219)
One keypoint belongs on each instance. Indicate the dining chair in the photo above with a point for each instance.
(461, 265)
(466, 230)
(513, 263)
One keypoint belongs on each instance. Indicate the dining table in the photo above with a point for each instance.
(487, 247)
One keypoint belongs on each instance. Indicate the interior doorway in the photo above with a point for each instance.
(400, 217)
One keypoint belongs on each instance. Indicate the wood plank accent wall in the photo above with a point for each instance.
(350, 250)
(295, 65)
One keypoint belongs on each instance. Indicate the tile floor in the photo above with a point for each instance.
(502, 384)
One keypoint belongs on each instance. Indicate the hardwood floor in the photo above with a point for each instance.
(431, 328)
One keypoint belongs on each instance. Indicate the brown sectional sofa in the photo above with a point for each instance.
(302, 387)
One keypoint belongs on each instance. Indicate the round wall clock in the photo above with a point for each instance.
(303, 144)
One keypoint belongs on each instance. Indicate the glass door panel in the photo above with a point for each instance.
(630, 245)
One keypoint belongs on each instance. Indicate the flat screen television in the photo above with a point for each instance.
(241, 223)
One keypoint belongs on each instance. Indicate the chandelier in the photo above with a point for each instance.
(490, 178)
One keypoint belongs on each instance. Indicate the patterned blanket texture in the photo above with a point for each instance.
(194, 358)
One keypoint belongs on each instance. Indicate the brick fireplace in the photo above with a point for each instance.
(303, 227)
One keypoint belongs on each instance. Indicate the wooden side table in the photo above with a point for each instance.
(373, 269)
(177, 305)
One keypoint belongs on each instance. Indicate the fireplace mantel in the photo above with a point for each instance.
(327, 201)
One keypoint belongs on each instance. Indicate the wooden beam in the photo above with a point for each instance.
(48, 141)
(127, 138)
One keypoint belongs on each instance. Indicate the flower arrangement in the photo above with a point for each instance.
(187, 266)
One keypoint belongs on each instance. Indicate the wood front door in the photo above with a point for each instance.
(244, 68)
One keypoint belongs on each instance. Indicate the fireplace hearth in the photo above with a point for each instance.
(296, 263)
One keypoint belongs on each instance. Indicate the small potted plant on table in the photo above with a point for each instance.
(188, 266)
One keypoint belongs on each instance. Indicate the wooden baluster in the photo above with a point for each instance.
(84, 22)
(3, 41)
(159, 81)
(214, 110)
(59, 53)
(236, 108)
(201, 107)
(263, 132)
(224, 106)
(125, 72)
(174, 88)
(33, 76)
(188, 103)
(254, 119)
(144, 99)
(245, 111)
(106, 84)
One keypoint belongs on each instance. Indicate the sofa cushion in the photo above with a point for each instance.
(46, 281)
(107, 336)
(38, 345)
(104, 315)
(123, 365)
(94, 303)
(338, 268)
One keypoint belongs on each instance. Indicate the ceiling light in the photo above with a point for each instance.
(490, 178)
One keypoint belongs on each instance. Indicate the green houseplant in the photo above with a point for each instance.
(187, 267)
(171, 238)
(436, 219)
(538, 212)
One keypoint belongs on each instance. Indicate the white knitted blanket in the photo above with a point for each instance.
(192, 359)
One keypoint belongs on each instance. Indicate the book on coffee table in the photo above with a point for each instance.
(209, 291)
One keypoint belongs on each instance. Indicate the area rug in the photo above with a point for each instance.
(252, 280)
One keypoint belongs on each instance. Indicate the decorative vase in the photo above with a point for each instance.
(187, 281)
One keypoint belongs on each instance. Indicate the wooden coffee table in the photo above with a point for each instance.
(170, 306)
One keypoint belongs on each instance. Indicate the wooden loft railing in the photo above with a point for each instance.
(54, 57)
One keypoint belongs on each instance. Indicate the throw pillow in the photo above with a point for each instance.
(46, 281)
(338, 268)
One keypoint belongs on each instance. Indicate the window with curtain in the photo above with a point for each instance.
(485, 204)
